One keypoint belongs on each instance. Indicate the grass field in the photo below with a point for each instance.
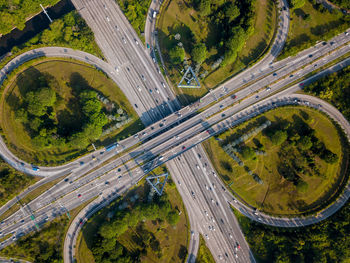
(204, 255)
(65, 73)
(303, 33)
(179, 17)
(173, 240)
(277, 195)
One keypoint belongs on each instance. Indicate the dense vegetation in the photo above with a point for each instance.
(11, 182)
(55, 108)
(341, 3)
(311, 22)
(71, 31)
(136, 12)
(106, 245)
(287, 161)
(14, 13)
(327, 241)
(233, 22)
(38, 110)
(335, 88)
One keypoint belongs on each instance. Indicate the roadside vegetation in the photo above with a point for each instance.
(136, 13)
(204, 255)
(54, 109)
(139, 227)
(327, 241)
(287, 161)
(15, 13)
(341, 3)
(216, 38)
(310, 22)
(68, 31)
(12, 182)
(334, 88)
(45, 245)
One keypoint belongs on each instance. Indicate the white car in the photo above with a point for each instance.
(108, 19)
(157, 90)
(136, 42)
(163, 84)
(206, 236)
(197, 166)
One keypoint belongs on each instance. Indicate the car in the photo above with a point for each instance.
(119, 169)
(66, 180)
(221, 106)
(150, 90)
(268, 89)
(226, 255)
(106, 182)
(79, 195)
(301, 84)
(233, 96)
(310, 56)
(179, 182)
(207, 187)
(143, 77)
(199, 156)
(236, 256)
(117, 28)
(274, 74)
(108, 19)
(157, 90)
(212, 200)
(136, 42)
(284, 8)
(291, 76)
(259, 218)
(230, 236)
(94, 158)
(324, 43)
(257, 97)
(214, 174)
(177, 137)
(346, 33)
(183, 147)
(238, 246)
(147, 45)
(223, 115)
(192, 233)
(220, 257)
(81, 163)
(197, 166)
(163, 84)
(119, 177)
(193, 194)
(136, 106)
(206, 236)
(332, 43)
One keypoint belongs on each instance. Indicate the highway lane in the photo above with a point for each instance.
(123, 49)
(71, 196)
(235, 84)
(239, 107)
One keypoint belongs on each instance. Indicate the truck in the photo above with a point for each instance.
(154, 14)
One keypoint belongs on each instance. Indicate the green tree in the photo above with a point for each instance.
(248, 153)
(204, 7)
(232, 11)
(305, 143)
(297, 3)
(173, 218)
(279, 137)
(177, 55)
(199, 53)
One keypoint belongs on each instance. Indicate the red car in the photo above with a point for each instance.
(301, 84)
(233, 97)
(79, 195)
(183, 147)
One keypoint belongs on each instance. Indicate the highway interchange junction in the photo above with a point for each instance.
(173, 133)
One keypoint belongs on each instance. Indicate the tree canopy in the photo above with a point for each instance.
(199, 53)
(177, 55)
